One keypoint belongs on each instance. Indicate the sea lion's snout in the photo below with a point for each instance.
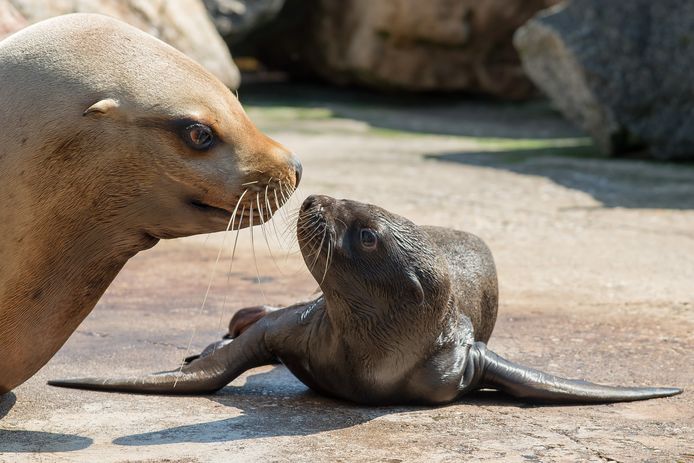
(316, 234)
(283, 162)
(268, 160)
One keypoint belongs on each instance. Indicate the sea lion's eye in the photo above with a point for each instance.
(199, 136)
(368, 238)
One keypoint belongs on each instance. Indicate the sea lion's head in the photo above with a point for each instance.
(152, 140)
(369, 260)
(109, 140)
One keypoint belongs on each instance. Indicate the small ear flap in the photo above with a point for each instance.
(415, 290)
(102, 106)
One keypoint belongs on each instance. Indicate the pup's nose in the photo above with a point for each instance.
(308, 202)
(322, 201)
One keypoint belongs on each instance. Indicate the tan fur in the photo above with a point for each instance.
(89, 176)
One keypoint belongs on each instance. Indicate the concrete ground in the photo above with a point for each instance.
(596, 267)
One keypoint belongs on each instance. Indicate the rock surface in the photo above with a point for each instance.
(183, 24)
(440, 45)
(236, 18)
(620, 70)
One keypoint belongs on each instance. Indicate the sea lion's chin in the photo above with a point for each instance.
(195, 217)
(314, 258)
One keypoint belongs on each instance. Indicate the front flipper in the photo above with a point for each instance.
(240, 322)
(203, 375)
(485, 369)
(244, 318)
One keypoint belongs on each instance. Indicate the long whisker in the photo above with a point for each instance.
(290, 192)
(290, 218)
(261, 214)
(231, 260)
(320, 246)
(262, 229)
(327, 262)
(289, 233)
(255, 259)
(207, 291)
(311, 229)
(272, 214)
(277, 203)
(290, 226)
(314, 252)
(288, 236)
(284, 198)
(298, 193)
(305, 222)
(314, 234)
(309, 223)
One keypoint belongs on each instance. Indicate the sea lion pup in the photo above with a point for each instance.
(403, 318)
(109, 141)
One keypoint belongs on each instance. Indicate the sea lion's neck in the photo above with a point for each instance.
(54, 285)
(379, 327)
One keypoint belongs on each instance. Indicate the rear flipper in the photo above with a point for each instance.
(485, 369)
(205, 374)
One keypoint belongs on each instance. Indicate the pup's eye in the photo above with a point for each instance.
(199, 136)
(368, 237)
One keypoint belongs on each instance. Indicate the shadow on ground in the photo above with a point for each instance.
(7, 401)
(418, 113)
(276, 404)
(273, 404)
(612, 182)
(16, 440)
(526, 138)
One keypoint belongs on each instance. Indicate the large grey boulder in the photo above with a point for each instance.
(412, 45)
(237, 18)
(183, 24)
(622, 70)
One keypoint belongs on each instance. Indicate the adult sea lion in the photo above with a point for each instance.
(109, 141)
(403, 318)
